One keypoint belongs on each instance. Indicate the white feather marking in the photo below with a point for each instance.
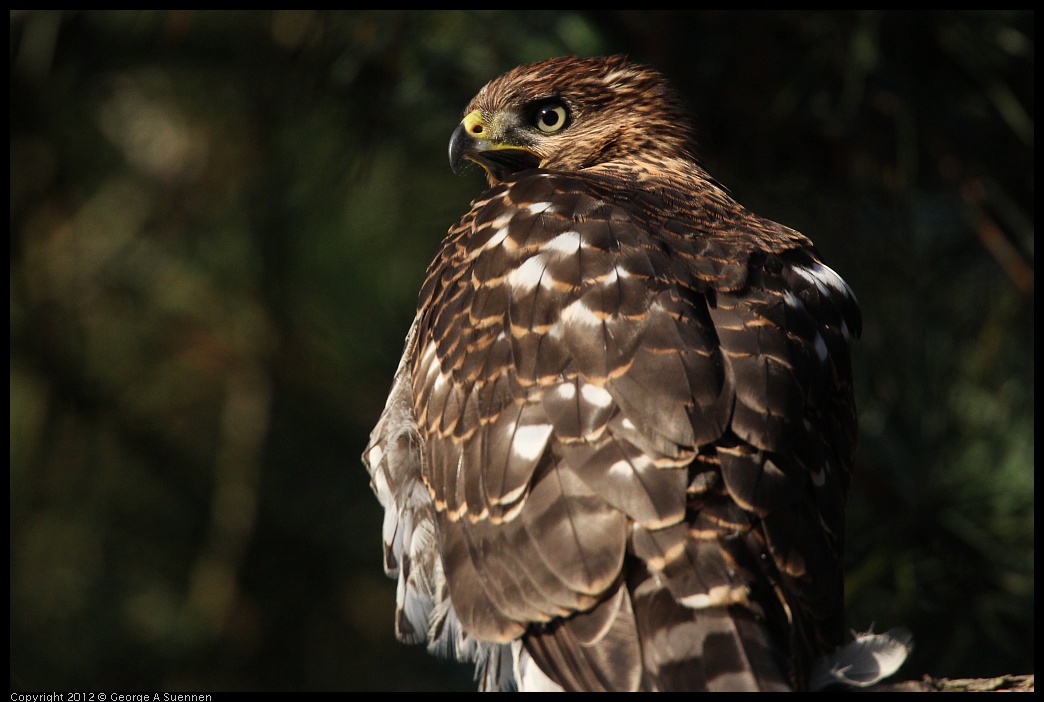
(580, 313)
(502, 220)
(717, 596)
(530, 441)
(622, 468)
(599, 397)
(529, 677)
(615, 275)
(821, 349)
(440, 382)
(375, 456)
(430, 363)
(566, 242)
(617, 75)
(529, 275)
(567, 391)
(792, 300)
(497, 239)
(538, 207)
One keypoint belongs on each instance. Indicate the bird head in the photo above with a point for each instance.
(570, 114)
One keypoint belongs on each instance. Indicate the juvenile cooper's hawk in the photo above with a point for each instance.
(616, 450)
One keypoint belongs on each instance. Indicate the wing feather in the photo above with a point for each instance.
(620, 435)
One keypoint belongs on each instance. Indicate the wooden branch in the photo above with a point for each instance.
(1004, 683)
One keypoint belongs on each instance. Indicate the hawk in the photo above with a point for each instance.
(616, 451)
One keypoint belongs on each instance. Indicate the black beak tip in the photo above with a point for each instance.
(457, 146)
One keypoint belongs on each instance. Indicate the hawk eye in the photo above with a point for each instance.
(550, 117)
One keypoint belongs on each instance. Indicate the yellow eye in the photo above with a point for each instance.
(551, 117)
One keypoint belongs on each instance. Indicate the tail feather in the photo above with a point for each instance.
(721, 648)
(596, 650)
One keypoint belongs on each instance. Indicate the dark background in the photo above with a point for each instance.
(219, 225)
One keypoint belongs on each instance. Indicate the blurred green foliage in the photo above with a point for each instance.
(219, 224)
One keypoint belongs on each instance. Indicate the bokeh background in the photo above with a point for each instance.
(219, 225)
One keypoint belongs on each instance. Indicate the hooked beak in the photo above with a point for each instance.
(469, 141)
